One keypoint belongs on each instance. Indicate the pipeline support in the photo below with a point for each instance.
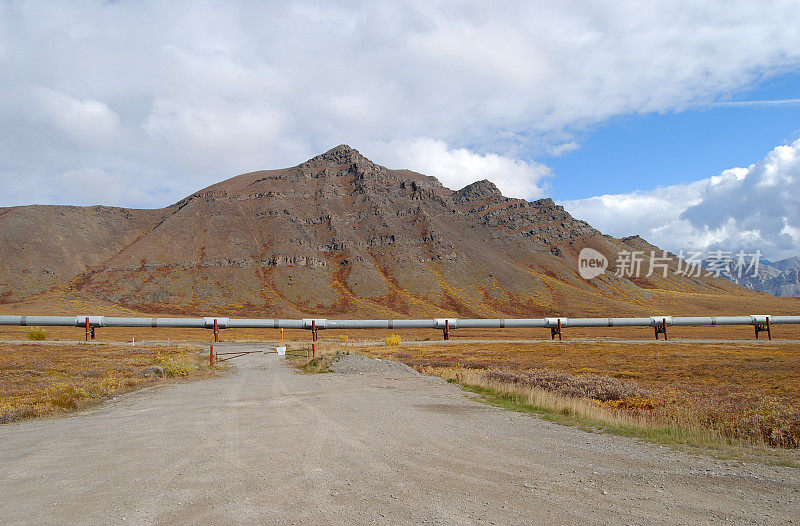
(556, 331)
(661, 329)
(765, 327)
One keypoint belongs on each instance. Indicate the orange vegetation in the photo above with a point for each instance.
(40, 380)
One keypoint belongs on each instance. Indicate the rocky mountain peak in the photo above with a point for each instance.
(342, 160)
(342, 154)
(478, 190)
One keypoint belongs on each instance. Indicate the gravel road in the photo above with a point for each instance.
(267, 445)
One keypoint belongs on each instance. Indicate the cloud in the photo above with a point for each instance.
(106, 187)
(557, 150)
(85, 120)
(181, 94)
(458, 167)
(752, 208)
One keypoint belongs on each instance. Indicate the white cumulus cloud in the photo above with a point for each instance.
(82, 120)
(458, 167)
(752, 208)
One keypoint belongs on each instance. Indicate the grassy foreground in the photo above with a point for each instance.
(41, 380)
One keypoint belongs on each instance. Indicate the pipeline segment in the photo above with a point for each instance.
(760, 322)
(436, 323)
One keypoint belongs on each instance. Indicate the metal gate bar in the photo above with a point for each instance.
(236, 353)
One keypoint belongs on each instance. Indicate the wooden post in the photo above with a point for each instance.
(211, 356)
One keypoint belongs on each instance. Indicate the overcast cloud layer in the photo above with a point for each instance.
(140, 103)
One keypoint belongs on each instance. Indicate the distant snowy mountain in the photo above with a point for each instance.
(779, 278)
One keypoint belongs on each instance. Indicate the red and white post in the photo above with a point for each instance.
(313, 338)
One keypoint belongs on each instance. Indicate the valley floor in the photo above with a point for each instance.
(386, 446)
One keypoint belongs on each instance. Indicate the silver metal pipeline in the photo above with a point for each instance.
(435, 323)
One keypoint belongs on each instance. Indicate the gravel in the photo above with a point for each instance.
(351, 363)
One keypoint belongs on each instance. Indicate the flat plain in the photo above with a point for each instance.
(270, 445)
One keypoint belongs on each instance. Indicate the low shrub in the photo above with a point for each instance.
(37, 334)
(394, 339)
(174, 369)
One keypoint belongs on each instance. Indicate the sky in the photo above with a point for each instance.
(678, 121)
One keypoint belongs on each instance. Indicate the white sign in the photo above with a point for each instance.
(281, 351)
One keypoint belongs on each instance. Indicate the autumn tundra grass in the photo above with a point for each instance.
(41, 380)
(711, 395)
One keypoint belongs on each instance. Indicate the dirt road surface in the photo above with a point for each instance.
(379, 445)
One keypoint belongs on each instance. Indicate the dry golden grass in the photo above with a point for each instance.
(40, 379)
(736, 390)
(589, 413)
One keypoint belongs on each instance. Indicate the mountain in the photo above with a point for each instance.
(336, 235)
(779, 278)
(792, 263)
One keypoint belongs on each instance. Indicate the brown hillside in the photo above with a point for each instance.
(337, 236)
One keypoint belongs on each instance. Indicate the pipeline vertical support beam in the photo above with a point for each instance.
(313, 338)
(87, 328)
(661, 328)
(446, 330)
(216, 331)
(763, 327)
(556, 331)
